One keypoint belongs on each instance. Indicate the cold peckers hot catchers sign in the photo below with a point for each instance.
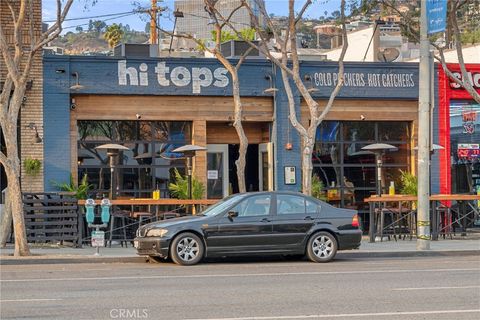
(365, 82)
(361, 79)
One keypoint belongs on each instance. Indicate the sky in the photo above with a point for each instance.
(137, 22)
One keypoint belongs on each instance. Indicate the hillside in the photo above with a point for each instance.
(93, 42)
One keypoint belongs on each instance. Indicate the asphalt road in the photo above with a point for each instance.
(407, 288)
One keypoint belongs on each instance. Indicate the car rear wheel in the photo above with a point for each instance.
(322, 247)
(187, 249)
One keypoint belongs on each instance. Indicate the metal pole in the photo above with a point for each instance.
(379, 174)
(112, 175)
(171, 39)
(190, 193)
(423, 210)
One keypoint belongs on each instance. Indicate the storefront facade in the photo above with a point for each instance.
(459, 133)
(152, 106)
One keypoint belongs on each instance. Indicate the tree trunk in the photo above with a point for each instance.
(237, 123)
(307, 167)
(13, 176)
(6, 223)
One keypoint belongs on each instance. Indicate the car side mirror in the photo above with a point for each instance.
(232, 214)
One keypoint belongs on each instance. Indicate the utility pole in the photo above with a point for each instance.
(423, 208)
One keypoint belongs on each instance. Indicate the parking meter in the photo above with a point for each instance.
(105, 204)
(90, 210)
(97, 236)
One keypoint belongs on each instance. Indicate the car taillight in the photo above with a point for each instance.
(355, 222)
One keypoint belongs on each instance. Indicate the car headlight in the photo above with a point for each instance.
(157, 232)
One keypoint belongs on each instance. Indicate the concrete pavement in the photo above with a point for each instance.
(385, 249)
(430, 288)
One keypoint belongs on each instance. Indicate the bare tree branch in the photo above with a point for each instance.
(458, 45)
(3, 159)
(341, 76)
(57, 27)
(302, 11)
(7, 58)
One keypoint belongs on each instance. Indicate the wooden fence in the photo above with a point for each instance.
(51, 217)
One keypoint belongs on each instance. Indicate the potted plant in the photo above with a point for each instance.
(32, 166)
(179, 188)
(409, 183)
(79, 191)
(318, 188)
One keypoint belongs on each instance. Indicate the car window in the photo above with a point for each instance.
(312, 207)
(253, 206)
(288, 204)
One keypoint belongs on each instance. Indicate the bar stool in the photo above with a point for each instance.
(444, 224)
(118, 224)
(381, 215)
(142, 216)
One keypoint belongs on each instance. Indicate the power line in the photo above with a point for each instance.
(94, 17)
(86, 24)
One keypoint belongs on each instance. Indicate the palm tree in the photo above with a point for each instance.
(113, 35)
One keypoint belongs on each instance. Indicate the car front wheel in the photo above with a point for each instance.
(322, 247)
(187, 249)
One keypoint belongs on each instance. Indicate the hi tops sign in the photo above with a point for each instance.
(166, 76)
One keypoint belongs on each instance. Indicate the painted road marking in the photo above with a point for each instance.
(236, 275)
(348, 315)
(29, 300)
(434, 288)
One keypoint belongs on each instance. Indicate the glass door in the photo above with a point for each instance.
(265, 166)
(217, 171)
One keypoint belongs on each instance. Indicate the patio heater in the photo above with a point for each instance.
(189, 151)
(379, 149)
(112, 152)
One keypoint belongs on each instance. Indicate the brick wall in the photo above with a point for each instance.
(32, 110)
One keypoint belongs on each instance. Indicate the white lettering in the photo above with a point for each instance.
(221, 78)
(476, 80)
(197, 82)
(143, 74)
(180, 76)
(453, 84)
(123, 72)
(161, 70)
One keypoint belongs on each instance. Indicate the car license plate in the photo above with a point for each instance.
(135, 244)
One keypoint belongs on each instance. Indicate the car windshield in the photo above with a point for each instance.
(222, 205)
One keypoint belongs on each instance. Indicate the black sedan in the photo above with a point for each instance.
(262, 223)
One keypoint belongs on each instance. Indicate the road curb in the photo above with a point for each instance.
(142, 259)
(405, 254)
(74, 260)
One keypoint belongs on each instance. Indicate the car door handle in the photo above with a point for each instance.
(308, 218)
(265, 220)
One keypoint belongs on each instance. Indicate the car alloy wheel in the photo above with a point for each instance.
(187, 249)
(322, 247)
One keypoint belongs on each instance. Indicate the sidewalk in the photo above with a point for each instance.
(117, 254)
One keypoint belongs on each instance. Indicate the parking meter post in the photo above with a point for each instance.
(98, 236)
(97, 248)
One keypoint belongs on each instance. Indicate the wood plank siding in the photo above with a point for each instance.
(169, 108)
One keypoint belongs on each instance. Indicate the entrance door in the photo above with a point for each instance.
(265, 166)
(217, 171)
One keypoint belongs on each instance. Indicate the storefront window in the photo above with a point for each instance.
(148, 163)
(347, 172)
(465, 146)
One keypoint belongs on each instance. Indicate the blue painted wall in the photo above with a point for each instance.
(150, 76)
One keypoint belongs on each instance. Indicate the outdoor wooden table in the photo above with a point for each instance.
(375, 200)
(463, 212)
(153, 202)
(467, 207)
